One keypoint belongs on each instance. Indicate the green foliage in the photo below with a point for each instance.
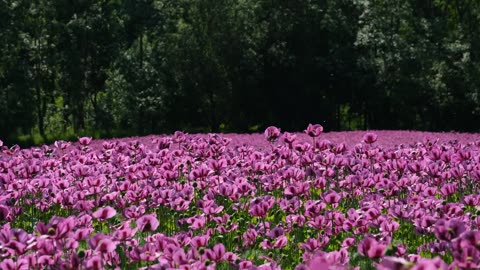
(155, 66)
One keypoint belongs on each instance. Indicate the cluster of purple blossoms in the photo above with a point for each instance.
(311, 200)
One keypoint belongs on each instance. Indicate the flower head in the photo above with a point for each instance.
(102, 243)
(370, 138)
(393, 263)
(104, 213)
(331, 197)
(371, 248)
(272, 133)
(148, 223)
(314, 130)
(84, 141)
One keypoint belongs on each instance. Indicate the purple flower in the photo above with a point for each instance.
(276, 232)
(289, 138)
(148, 223)
(244, 265)
(314, 130)
(392, 263)
(371, 248)
(389, 226)
(448, 230)
(471, 200)
(272, 133)
(258, 209)
(106, 245)
(348, 242)
(331, 197)
(5, 213)
(216, 254)
(104, 213)
(310, 245)
(467, 258)
(370, 138)
(84, 141)
(102, 243)
(280, 242)
(94, 263)
(61, 145)
(179, 257)
(9, 264)
(179, 137)
(430, 264)
(318, 263)
(249, 237)
(448, 189)
(335, 260)
(81, 234)
(57, 228)
(199, 241)
(466, 239)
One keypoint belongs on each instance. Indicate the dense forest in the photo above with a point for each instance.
(133, 67)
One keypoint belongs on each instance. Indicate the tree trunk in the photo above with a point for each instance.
(40, 110)
(213, 116)
(39, 99)
(95, 109)
(141, 51)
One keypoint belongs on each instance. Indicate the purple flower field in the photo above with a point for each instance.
(277, 200)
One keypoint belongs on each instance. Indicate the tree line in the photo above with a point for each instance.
(135, 67)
